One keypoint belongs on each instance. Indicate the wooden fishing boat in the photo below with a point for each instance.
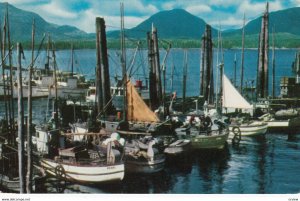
(143, 157)
(84, 164)
(79, 164)
(213, 139)
(251, 128)
(178, 147)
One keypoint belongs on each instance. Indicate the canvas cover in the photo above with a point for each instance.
(232, 98)
(137, 110)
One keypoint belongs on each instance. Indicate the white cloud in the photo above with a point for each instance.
(228, 22)
(199, 9)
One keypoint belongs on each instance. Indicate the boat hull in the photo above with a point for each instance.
(145, 167)
(178, 147)
(84, 174)
(251, 129)
(216, 140)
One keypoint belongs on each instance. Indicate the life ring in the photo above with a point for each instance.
(237, 135)
(60, 172)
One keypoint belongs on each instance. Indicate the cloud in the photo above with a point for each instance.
(199, 9)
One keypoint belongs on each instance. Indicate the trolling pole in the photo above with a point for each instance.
(55, 86)
(242, 62)
(164, 78)
(234, 77)
(3, 68)
(72, 60)
(20, 122)
(29, 124)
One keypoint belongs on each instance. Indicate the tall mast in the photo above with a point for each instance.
(234, 76)
(55, 86)
(242, 59)
(123, 62)
(12, 113)
(20, 122)
(185, 66)
(273, 64)
(29, 124)
(3, 67)
(72, 60)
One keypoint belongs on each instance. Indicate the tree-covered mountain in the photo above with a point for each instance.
(20, 22)
(176, 23)
(283, 21)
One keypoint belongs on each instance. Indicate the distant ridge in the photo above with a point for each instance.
(176, 23)
(21, 23)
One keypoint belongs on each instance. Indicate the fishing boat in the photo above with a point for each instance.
(233, 100)
(83, 164)
(178, 147)
(213, 136)
(142, 156)
(250, 128)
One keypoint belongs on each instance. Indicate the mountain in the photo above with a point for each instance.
(176, 23)
(284, 21)
(20, 22)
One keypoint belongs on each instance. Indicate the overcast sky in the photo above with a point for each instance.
(82, 13)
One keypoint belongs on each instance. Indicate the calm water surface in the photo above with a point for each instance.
(268, 164)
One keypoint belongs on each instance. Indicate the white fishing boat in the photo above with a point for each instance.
(250, 128)
(233, 100)
(79, 164)
(84, 164)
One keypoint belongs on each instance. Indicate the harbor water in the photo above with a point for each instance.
(268, 164)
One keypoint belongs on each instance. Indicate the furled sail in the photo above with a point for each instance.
(137, 110)
(232, 98)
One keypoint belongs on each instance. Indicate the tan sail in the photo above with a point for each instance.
(137, 110)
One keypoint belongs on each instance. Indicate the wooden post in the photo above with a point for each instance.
(99, 93)
(202, 65)
(157, 64)
(104, 67)
(262, 85)
(20, 122)
(266, 52)
(184, 78)
(242, 59)
(12, 117)
(29, 124)
(152, 86)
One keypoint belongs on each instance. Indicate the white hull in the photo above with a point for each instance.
(278, 123)
(255, 128)
(37, 92)
(66, 92)
(178, 147)
(146, 167)
(86, 173)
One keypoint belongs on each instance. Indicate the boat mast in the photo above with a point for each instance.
(123, 62)
(234, 77)
(55, 86)
(12, 113)
(273, 64)
(20, 121)
(185, 66)
(3, 68)
(29, 124)
(72, 60)
(164, 77)
(242, 59)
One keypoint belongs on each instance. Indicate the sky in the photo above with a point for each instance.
(81, 13)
